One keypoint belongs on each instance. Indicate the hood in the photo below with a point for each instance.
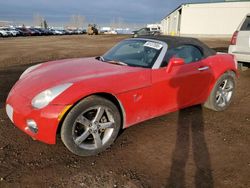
(55, 73)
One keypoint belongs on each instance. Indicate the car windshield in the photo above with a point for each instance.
(138, 53)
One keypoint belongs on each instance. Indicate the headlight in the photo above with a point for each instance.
(29, 70)
(45, 97)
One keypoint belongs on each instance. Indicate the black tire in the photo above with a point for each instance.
(73, 132)
(218, 94)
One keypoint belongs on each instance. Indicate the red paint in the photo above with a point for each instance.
(143, 93)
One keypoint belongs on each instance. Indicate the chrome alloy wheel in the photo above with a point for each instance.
(224, 92)
(93, 128)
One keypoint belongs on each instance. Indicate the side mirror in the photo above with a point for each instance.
(173, 62)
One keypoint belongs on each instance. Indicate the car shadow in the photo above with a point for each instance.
(190, 134)
(190, 141)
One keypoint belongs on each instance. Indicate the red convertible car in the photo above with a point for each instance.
(89, 100)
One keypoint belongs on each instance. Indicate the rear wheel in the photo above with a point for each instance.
(222, 93)
(91, 126)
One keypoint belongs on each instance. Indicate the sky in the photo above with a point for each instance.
(94, 11)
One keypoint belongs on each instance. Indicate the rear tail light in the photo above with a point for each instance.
(234, 38)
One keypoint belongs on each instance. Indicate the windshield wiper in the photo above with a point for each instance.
(101, 58)
(117, 62)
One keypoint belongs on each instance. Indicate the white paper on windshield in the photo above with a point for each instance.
(154, 45)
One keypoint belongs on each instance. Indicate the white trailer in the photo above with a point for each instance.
(219, 19)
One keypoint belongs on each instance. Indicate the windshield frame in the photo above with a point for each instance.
(158, 61)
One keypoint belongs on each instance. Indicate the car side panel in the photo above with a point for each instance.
(243, 42)
(185, 85)
(137, 105)
(131, 89)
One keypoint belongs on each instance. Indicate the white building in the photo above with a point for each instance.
(218, 19)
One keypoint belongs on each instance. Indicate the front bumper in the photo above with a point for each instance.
(19, 110)
(240, 56)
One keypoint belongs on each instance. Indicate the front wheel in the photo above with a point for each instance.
(91, 126)
(222, 93)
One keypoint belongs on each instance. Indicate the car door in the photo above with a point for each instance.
(243, 38)
(184, 85)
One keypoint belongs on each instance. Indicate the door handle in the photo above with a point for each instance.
(203, 68)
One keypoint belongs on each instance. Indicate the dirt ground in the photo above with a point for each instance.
(194, 147)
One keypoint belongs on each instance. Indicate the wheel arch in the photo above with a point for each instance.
(105, 95)
(217, 77)
(220, 74)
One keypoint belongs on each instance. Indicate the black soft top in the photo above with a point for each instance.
(174, 42)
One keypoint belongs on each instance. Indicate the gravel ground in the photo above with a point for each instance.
(194, 147)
